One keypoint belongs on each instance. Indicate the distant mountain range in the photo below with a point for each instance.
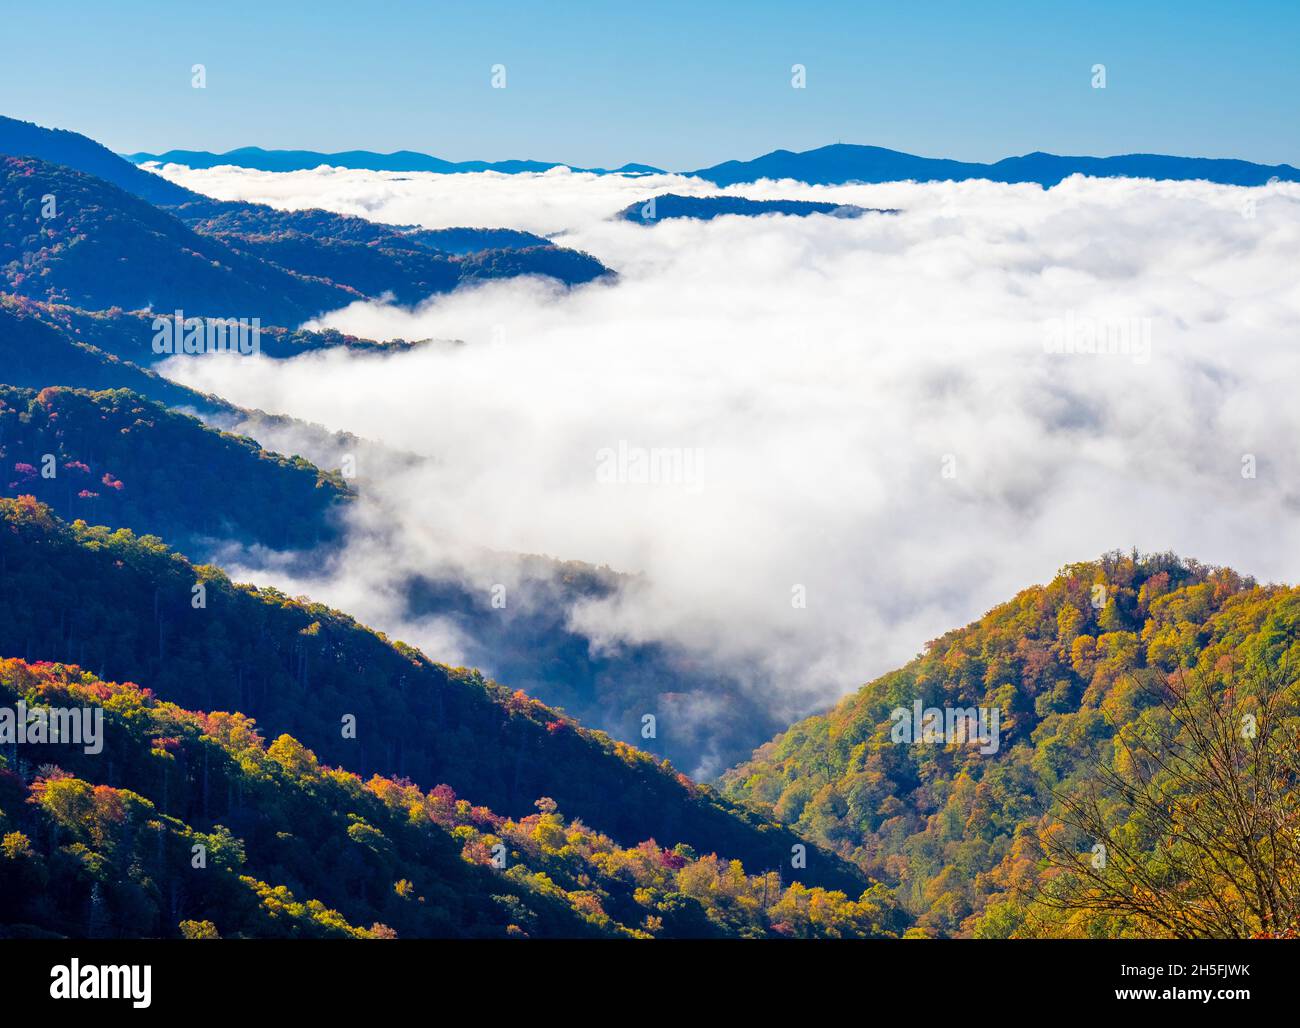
(403, 160)
(837, 164)
(843, 163)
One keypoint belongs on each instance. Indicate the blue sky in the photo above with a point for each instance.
(679, 85)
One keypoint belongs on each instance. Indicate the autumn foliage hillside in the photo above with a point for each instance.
(1077, 668)
(129, 609)
(190, 824)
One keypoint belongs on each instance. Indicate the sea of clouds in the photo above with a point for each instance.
(874, 407)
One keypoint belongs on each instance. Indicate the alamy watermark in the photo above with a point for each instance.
(21, 725)
(1099, 337)
(656, 465)
(177, 334)
(75, 980)
(935, 726)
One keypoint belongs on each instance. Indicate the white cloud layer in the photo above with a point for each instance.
(829, 373)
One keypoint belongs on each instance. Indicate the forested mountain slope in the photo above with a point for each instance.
(408, 271)
(234, 217)
(129, 335)
(96, 246)
(116, 458)
(130, 610)
(1075, 668)
(187, 823)
(34, 354)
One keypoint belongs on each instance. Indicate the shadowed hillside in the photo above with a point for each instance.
(101, 247)
(116, 458)
(130, 609)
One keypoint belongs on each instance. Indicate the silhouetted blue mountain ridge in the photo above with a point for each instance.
(667, 206)
(842, 163)
(836, 164)
(367, 160)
